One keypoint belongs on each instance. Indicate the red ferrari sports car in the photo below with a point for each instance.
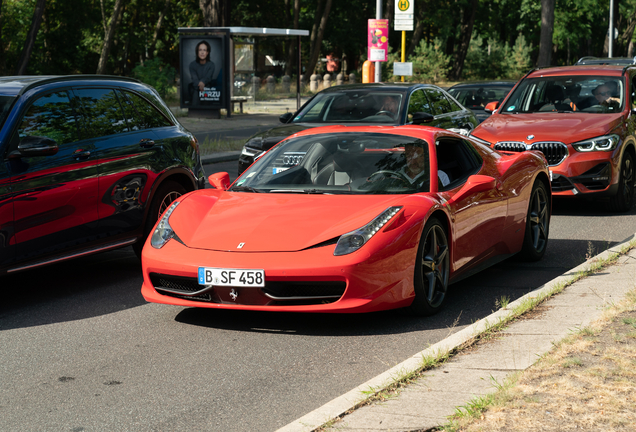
(350, 219)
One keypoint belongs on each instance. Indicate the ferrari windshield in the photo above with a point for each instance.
(360, 106)
(580, 93)
(345, 163)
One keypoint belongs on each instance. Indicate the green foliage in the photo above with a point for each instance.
(494, 60)
(157, 74)
(430, 64)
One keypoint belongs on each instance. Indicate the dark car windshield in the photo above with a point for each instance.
(360, 106)
(345, 163)
(580, 93)
(477, 96)
(5, 106)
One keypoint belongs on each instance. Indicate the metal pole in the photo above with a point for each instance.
(611, 30)
(378, 65)
(300, 70)
(403, 49)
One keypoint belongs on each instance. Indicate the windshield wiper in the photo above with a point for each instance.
(300, 191)
(245, 189)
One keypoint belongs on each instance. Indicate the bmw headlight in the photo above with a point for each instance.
(603, 143)
(354, 240)
(164, 231)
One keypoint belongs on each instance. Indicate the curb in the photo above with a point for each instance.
(220, 157)
(350, 400)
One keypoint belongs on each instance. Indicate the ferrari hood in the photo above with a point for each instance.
(266, 222)
(564, 127)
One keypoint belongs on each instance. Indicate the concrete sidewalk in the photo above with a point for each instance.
(427, 402)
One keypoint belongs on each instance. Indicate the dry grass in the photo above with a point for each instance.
(588, 382)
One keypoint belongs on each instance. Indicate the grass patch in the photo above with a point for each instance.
(210, 146)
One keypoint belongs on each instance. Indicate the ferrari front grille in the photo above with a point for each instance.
(554, 152)
(175, 283)
(304, 290)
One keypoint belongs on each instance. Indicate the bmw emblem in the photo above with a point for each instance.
(530, 137)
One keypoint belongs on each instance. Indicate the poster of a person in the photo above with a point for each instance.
(202, 77)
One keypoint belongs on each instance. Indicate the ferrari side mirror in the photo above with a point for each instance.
(220, 180)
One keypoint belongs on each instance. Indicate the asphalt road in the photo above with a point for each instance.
(82, 351)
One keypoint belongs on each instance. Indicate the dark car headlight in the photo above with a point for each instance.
(354, 240)
(602, 143)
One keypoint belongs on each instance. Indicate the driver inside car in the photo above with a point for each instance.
(415, 170)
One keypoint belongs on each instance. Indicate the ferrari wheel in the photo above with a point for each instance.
(624, 198)
(535, 239)
(165, 195)
(432, 269)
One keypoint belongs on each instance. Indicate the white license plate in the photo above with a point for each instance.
(231, 277)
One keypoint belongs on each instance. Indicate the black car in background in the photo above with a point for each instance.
(475, 95)
(89, 163)
(368, 104)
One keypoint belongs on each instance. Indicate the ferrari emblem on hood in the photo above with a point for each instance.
(240, 246)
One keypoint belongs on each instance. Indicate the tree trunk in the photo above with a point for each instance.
(110, 35)
(417, 32)
(2, 65)
(155, 36)
(314, 29)
(30, 40)
(216, 13)
(315, 52)
(291, 57)
(466, 31)
(547, 27)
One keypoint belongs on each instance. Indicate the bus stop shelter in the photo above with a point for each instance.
(207, 83)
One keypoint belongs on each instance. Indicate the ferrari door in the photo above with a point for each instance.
(478, 218)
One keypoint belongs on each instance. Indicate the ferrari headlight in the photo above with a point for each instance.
(164, 231)
(354, 240)
(484, 142)
(603, 143)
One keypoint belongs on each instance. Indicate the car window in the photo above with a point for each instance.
(438, 101)
(419, 103)
(50, 116)
(140, 113)
(346, 163)
(5, 106)
(103, 112)
(581, 93)
(457, 159)
(353, 106)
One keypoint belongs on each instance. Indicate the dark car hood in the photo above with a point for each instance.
(563, 127)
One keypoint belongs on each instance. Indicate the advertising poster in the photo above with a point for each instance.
(378, 39)
(203, 60)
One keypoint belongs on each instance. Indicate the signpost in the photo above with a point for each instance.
(404, 12)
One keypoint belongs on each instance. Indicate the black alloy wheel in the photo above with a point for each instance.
(624, 199)
(167, 193)
(432, 269)
(535, 240)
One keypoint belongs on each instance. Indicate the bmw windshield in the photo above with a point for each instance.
(341, 163)
(579, 93)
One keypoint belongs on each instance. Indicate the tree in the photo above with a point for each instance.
(30, 40)
(216, 13)
(465, 32)
(317, 38)
(108, 39)
(547, 28)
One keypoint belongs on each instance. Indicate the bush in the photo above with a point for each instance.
(492, 60)
(430, 64)
(157, 74)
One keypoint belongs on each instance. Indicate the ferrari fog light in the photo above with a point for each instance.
(602, 143)
(354, 240)
(164, 231)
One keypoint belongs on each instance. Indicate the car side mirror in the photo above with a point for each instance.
(491, 107)
(220, 181)
(33, 146)
(422, 117)
(285, 118)
(475, 184)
